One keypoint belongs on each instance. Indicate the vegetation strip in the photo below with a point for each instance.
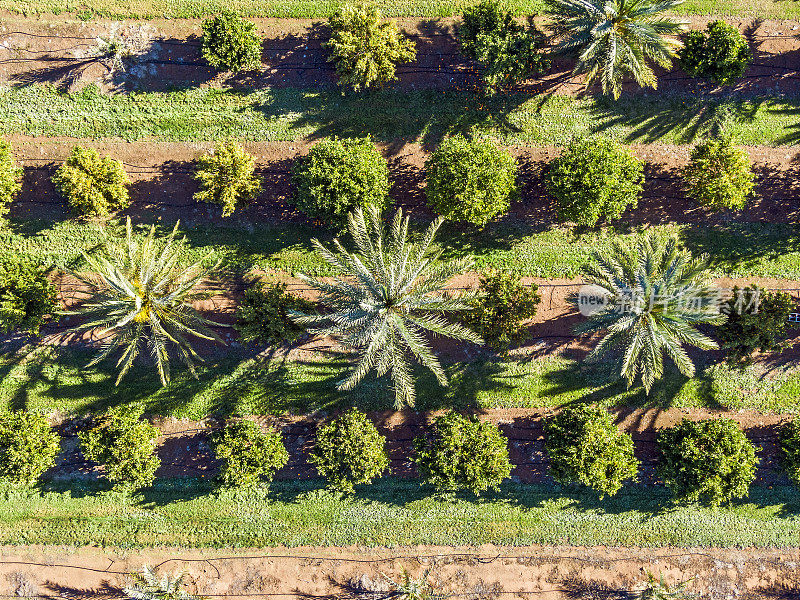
(287, 114)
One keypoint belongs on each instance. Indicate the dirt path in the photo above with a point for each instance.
(485, 573)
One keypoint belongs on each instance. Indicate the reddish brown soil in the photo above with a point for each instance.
(482, 573)
(59, 50)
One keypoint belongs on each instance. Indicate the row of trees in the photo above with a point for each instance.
(594, 180)
(610, 41)
(709, 461)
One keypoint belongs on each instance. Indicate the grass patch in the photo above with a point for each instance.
(184, 513)
(287, 114)
(148, 9)
(56, 379)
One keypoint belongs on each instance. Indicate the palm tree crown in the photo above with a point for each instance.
(655, 295)
(139, 293)
(614, 38)
(389, 295)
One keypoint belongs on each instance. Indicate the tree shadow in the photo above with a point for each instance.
(575, 588)
(164, 492)
(104, 591)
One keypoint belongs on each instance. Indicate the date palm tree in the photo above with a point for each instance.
(655, 294)
(615, 38)
(139, 295)
(390, 293)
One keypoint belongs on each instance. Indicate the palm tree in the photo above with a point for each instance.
(149, 586)
(614, 38)
(655, 294)
(389, 295)
(140, 294)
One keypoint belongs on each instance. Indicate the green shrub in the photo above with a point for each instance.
(93, 186)
(709, 461)
(10, 178)
(28, 446)
(231, 43)
(719, 175)
(248, 455)
(790, 450)
(364, 49)
(585, 446)
(338, 176)
(471, 181)
(261, 314)
(27, 297)
(757, 320)
(509, 52)
(227, 177)
(503, 304)
(349, 450)
(594, 180)
(124, 445)
(720, 54)
(462, 453)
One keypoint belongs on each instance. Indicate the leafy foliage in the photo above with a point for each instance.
(658, 589)
(93, 185)
(10, 177)
(148, 586)
(338, 176)
(585, 446)
(500, 308)
(509, 52)
(595, 179)
(124, 445)
(261, 315)
(27, 297)
(140, 294)
(389, 295)
(709, 461)
(227, 177)
(364, 49)
(719, 174)
(230, 43)
(348, 450)
(720, 54)
(655, 296)
(248, 454)
(28, 446)
(462, 453)
(757, 320)
(615, 39)
(470, 180)
(415, 588)
(790, 449)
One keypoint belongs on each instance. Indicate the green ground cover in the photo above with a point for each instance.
(287, 114)
(388, 513)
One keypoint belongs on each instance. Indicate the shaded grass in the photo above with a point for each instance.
(390, 512)
(56, 379)
(122, 9)
(287, 114)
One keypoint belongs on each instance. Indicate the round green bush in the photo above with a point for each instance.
(261, 314)
(231, 43)
(585, 446)
(338, 176)
(124, 445)
(719, 175)
(720, 54)
(227, 177)
(709, 461)
(594, 179)
(501, 307)
(28, 446)
(93, 186)
(471, 181)
(462, 453)
(790, 450)
(348, 450)
(365, 49)
(27, 297)
(249, 456)
(10, 177)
